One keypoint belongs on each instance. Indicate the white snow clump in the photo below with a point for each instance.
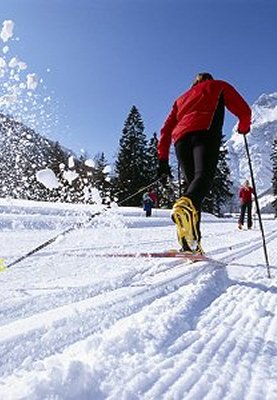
(48, 178)
(70, 176)
(32, 81)
(7, 30)
(90, 163)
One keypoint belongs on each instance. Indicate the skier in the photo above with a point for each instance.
(147, 204)
(195, 127)
(153, 197)
(245, 195)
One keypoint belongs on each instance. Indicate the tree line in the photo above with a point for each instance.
(24, 152)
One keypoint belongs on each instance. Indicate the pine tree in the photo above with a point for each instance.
(274, 178)
(152, 166)
(101, 177)
(166, 193)
(220, 191)
(131, 164)
(57, 162)
(152, 158)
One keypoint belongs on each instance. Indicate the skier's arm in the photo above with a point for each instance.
(238, 106)
(166, 133)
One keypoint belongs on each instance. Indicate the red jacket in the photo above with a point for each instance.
(194, 111)
(245, 194)
(153, 197)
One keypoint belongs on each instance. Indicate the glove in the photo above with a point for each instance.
(164, 171)
(243, 129)
(243, 132)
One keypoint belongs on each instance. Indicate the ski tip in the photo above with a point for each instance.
(2, 265)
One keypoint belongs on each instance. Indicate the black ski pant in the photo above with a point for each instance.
(246, 207)
(197, 154)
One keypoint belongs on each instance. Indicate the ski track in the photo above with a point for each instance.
(198, 320)
(67, 319)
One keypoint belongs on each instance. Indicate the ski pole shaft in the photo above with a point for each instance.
(257, 206)
(139, 191)
(71, 228)
(52, 240)
(36, 249)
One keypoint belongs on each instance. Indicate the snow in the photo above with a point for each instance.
(23, 92)
(90, 163)
(5, 49)
(48, 178)
(260, 140)
(107, 169)
(71, 163)
(70, 176)
(7, 30)
(76, 324)
(32, 81)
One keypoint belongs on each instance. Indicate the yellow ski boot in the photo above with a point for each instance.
(185, 216)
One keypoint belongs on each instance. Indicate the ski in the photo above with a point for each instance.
(163, 254)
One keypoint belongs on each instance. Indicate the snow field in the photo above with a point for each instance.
(76, 326)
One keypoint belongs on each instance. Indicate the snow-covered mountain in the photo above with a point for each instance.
(260, 140)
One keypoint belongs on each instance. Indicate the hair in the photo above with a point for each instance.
(201, 77)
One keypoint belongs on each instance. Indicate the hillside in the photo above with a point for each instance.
(23, 153)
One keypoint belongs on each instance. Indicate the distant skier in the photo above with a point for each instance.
(153, 197)
(147, 204)
(195, 127)
(245, 195)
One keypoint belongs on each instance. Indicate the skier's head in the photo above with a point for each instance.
(247, 183)
(201, 77)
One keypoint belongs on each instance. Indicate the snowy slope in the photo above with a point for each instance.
(260, 140)
(74, 325)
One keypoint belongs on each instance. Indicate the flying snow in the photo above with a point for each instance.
(90, 163)
(107, 169)
(17, 87)
(5, 49)
(32, 81)
(48, 178)
(71, 163)
(70, 176)
(7, 30)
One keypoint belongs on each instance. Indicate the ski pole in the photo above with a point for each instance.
(71, 228)
(257, 206)
(140, 190)
(49, 241)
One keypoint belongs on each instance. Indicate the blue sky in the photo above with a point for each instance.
(106, 55)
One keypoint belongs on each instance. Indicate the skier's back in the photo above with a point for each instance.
(195, 127)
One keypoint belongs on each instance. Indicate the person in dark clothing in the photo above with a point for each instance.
(195, 127)
(245, 195)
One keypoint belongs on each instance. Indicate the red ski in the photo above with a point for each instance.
(163, 254)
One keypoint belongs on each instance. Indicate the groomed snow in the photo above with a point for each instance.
(75, 324)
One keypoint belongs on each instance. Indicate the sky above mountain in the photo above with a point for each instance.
(98, 58)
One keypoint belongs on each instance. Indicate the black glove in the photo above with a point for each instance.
(164, 171)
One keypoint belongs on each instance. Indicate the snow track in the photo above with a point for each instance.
(75, 326)
(80, 318)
